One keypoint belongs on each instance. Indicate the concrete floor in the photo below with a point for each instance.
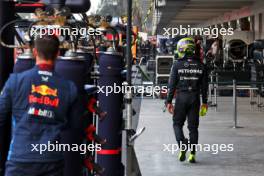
(247, 159)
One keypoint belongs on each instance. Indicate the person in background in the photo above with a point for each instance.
(189, 79)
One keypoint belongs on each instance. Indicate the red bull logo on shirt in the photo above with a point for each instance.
(44, 90)
(45, 99)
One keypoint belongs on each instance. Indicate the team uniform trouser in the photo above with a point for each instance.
(187, 105)
(34, 169)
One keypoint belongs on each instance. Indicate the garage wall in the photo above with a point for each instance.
(255, 12)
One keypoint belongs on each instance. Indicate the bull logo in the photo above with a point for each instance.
(44, 90)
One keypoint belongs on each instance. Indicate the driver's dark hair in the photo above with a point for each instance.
(47, 47)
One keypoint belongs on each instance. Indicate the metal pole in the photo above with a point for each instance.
(210, 90)
(7, 13)
(128, 96)
(128, 42)
(251, 98)
(235, 103)
(215, 91)
(258, 101)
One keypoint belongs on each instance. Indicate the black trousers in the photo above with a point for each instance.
(34, 169)
(187, 106)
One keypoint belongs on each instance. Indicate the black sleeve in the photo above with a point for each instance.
(172, 82)
(204, 85)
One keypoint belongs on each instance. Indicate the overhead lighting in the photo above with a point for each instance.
(115, 3)
(161, 3)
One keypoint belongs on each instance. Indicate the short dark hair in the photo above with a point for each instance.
(47, 46)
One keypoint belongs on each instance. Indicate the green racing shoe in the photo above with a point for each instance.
(191, 158)
(182, 156)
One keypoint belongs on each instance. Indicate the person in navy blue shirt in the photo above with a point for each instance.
(42, 106)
